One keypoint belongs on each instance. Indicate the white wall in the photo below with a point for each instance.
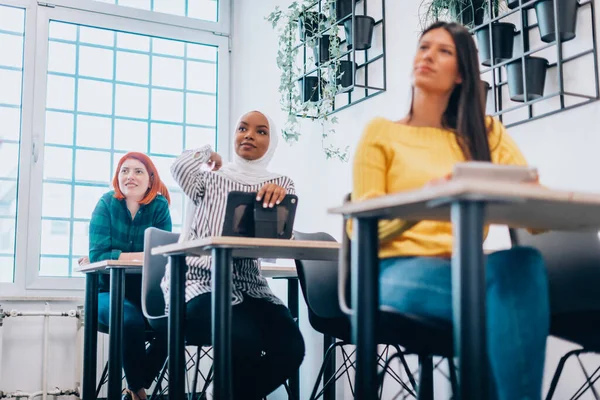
(563, 146)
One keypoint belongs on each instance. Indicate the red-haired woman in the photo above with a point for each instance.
(139, 200)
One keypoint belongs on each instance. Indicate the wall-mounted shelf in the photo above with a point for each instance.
(561, 70)
(363, 66)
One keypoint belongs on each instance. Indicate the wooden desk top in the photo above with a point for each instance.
(514, 204)
(268, 271)
(255, 248)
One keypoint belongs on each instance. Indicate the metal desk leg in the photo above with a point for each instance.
(292, 300)
(329, 372)
(468, 298)
(365, 302)
(115, 332)
(90, 337)
(177, 369)
(221, 320)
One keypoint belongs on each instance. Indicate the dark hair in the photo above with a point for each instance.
(465, 114)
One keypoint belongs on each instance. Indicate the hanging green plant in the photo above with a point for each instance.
(469, 13)
(310, 97)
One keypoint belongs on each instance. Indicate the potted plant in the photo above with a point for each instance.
(503, 39)
(362, 29)
(469, 13)
(309, 23)
(343, 8)
(567, 11)
(544, 13)
(535, 72)
(303, 96)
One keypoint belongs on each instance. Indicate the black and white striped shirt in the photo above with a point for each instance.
(209, 191)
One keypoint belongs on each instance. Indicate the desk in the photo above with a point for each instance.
(468, 204)
(117, 270)
(222, 249)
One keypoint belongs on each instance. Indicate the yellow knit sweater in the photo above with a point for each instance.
(393, 157)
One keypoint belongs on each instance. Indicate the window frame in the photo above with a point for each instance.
(27, 280)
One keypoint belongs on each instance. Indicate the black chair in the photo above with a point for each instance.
(422, 336)
(573, 263)
(153, 304)
(104, 377)
(319, 283)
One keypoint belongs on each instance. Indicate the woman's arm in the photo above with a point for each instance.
(187, 171)
(101, 240)
(163, 216)
(369, 180)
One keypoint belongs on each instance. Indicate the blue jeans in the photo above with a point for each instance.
(517, 308)
(141, 364)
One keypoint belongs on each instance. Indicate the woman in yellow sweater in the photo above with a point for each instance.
(446, 125)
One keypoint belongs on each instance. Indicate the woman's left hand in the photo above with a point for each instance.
(271, 194)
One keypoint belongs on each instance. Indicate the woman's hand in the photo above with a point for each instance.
(83, 260)
(215, 162)
(438, 181)
(271, 194)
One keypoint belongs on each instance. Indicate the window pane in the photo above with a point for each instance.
(12, 38)
(61, 57)
(131, 101)
(134, 68)
(166, 139)
(93, 131)
(167, 72)
(10, 86)
(54, 266)
(10, 56)
(114, 100)
(96, 62)
(81, 240)
(167, 105)
(201, 109)
(131, 135)
(94, 97)
(59, 128)
(55, 237)
(86, 198)
(58, 163)
(92, 166)
(199, 9)
(57, 200)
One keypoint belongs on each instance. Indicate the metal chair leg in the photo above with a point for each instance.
(425, 390)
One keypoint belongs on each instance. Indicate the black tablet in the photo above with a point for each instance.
(244, 216)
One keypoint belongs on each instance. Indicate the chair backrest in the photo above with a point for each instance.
(573, 263)
(319, 280)
(153, 303)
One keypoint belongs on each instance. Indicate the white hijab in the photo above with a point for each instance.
(253, 172)
(247, 172)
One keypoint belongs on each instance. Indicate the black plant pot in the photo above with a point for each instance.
(363, 34)
(485, 88)
(503, 36)
(321, 50)
(469, 14)
(567, 10)
(347, 73)
(309, 88)
(309, 23)
(535, 70)
(343, 8)
(512, 4)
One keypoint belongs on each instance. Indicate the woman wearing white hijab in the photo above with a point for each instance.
(266, 342)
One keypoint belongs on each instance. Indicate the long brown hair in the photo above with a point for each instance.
(464, 114)
(156, 185)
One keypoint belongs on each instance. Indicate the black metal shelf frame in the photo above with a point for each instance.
(497, 82)
(347, 55)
